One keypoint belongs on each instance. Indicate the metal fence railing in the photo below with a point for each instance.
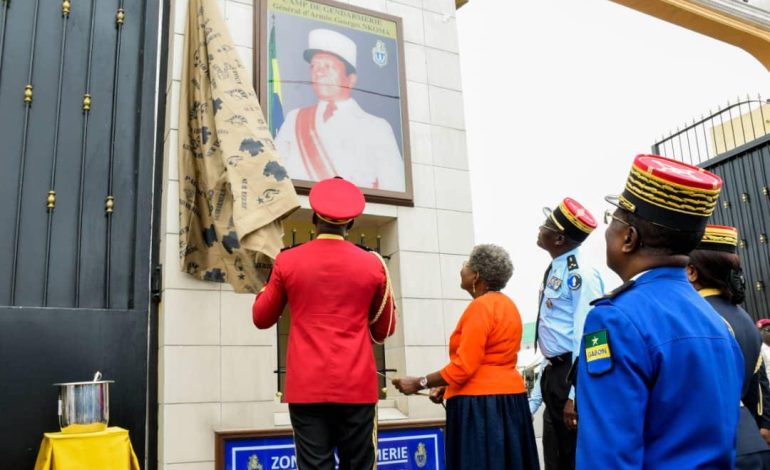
(727, 128)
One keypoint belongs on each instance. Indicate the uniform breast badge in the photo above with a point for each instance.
(554, 283)
(421, 456)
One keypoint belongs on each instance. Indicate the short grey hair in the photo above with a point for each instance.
(492, 263)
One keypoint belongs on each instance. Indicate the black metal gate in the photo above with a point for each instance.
(78, 131)
(734, 143)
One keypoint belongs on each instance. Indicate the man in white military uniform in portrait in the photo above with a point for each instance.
(335, 137)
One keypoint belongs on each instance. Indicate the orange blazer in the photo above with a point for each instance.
(483, 349)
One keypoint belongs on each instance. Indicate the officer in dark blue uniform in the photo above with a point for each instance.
(715, 270)
(660, 374)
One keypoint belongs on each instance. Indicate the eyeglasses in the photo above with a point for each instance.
(608, 216)
(550, 229)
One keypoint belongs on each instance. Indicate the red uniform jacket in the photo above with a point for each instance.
(333, 288)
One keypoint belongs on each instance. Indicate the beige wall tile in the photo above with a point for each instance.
(188, 432)
(420, 275)
(450, 277)
(412, 21)
(171, 155)
(191, 374)
(420, 138)
(208, 465)
(424, 187)
(444, 7)
(237, 324)
(441, 31)
(446, 107)
(179, 15)
(453, 189)
(417, 229)
(422, 408)
(415, 63)
(419, 107)
(443, 68)
(449, 148)
(240, 19)
(248, 415)
(376, 5)
(422, 360)
(190, 317)
(455, 232)
(423, 322)
(247, 373)
(171, 207)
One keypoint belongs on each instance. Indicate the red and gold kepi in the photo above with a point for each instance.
(669, 193)
(719, 238)
(336, 201)
(571, 218)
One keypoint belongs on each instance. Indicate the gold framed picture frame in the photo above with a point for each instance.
(331, 81)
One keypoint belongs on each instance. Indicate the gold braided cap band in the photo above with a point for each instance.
(719, 238)
(670, 193)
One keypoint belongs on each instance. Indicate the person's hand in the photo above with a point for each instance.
(570, 416)
(765, 435)
(437, 394)
(407, 385)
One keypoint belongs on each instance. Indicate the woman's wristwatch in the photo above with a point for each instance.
(423, 382)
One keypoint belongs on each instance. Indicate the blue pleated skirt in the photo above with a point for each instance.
(490, 432)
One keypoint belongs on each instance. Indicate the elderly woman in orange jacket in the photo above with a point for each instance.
(488, 424)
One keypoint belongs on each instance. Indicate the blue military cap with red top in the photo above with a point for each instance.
(571, 218)
(336, 200)
(669, 193)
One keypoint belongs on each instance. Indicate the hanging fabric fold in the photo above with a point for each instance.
(233, 187)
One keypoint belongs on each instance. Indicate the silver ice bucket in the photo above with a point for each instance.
(84, 406)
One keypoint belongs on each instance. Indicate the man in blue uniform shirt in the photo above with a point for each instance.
(569, 285)
(660, 375)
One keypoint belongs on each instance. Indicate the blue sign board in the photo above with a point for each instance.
(403, 449)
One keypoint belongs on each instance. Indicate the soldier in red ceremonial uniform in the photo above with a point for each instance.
(340, 300)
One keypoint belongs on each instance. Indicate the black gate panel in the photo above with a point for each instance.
(734, 143)
(67, 346)
(78, 123)
(745, 204)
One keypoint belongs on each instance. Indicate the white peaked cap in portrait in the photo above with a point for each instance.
(326, 40)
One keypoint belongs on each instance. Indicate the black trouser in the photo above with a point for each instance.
(560, 455)
(319, 428)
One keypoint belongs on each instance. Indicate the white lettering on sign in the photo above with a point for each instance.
(283, 462)
(390, 454)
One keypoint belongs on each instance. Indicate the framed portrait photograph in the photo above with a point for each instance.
(331, 82)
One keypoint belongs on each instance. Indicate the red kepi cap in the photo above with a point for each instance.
(337, 201)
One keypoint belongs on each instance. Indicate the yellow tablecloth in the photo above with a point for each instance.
(108, 449)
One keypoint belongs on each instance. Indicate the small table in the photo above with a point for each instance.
(110, 448)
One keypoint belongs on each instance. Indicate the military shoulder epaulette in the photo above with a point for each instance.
(572, 263)
(290, 247)
(615, 292)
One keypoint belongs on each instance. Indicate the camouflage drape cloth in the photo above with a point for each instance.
(233, 188)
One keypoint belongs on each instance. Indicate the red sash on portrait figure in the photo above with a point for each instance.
(317, 163)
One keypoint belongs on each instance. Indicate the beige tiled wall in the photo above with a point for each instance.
(216, 369)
